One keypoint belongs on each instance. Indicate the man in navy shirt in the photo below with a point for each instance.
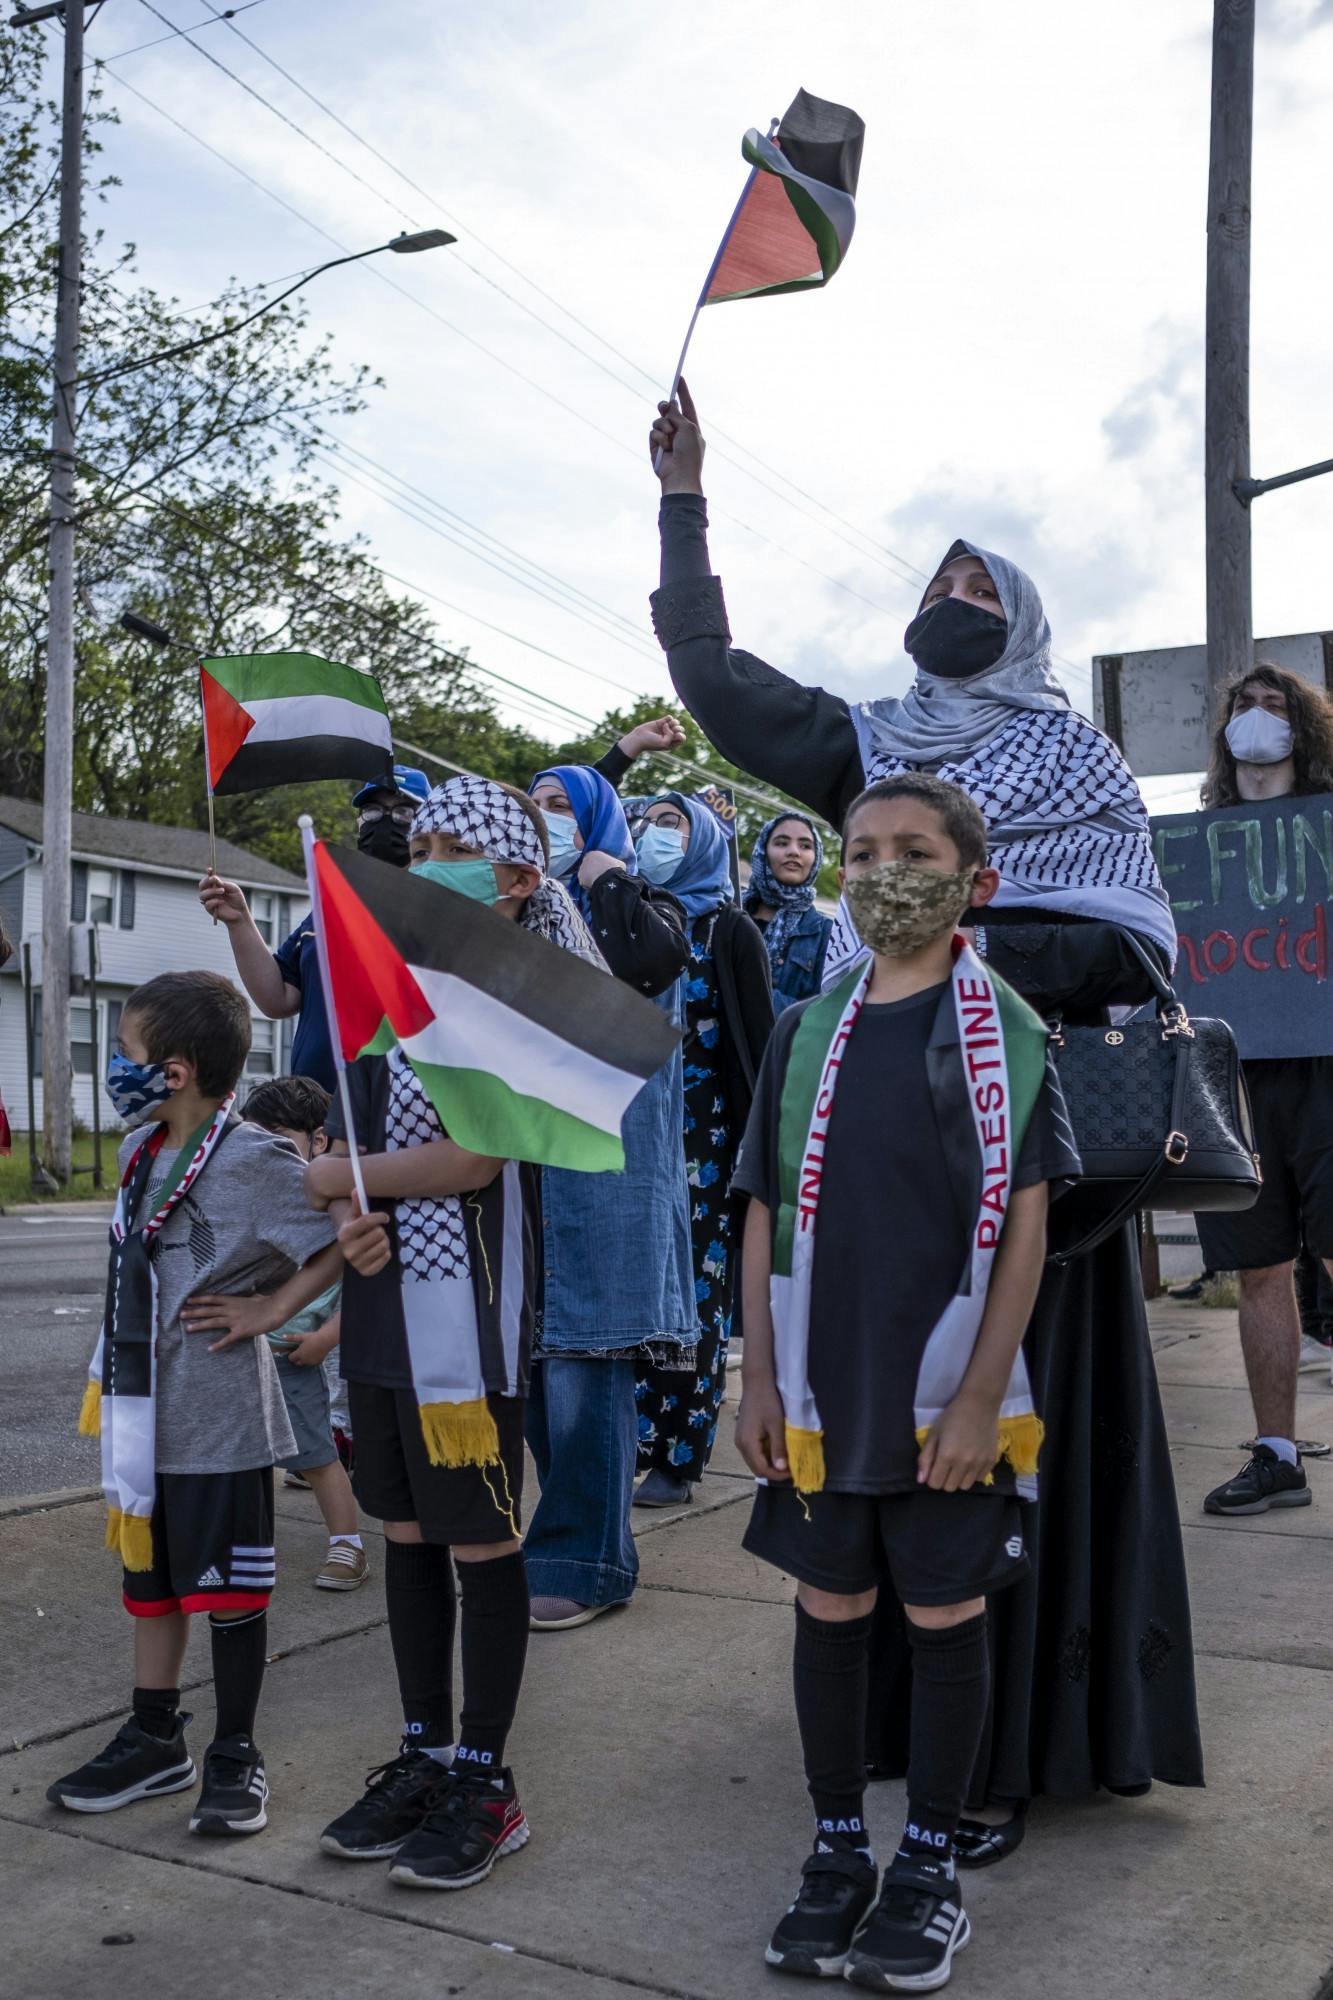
(285, 982)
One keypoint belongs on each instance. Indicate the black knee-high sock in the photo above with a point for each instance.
(950, 1688)
(830, 1676)
(495, 1646)
(419, 1593)
(239, 1646)
(155, 1710)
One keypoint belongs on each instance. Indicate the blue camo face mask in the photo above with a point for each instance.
(474, 879)
(560, 837)
(660, 854)
(137, 1090)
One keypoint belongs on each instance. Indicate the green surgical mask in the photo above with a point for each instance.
(474, 879)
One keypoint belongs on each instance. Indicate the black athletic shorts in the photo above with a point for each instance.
(939, 1548)
(394, 1480)
(1293, 1132)
(212, 1545)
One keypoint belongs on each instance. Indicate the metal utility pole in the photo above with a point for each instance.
(1227, 339)
(58, 761)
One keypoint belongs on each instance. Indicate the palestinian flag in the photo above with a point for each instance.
(285, 718)
(793, 224)
(526, 1052)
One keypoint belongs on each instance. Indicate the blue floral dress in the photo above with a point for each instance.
(678, 1412)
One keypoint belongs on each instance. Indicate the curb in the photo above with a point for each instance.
(70, 1208)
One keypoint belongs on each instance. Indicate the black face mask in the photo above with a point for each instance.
(384, 840)
(955, 639)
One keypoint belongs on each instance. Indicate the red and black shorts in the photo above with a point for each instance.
(212, 1545)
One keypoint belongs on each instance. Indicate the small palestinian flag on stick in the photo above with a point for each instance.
(286, 718)
(793, 224)
(526, 1052)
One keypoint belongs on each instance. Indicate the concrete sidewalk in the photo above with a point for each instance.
(658, 1762)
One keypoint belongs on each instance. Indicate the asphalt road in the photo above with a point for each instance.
(52, 1279)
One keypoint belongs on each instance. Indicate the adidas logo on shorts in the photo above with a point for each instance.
(210, 1580)
(1014, 1546)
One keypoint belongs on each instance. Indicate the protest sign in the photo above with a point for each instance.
(1251, 888)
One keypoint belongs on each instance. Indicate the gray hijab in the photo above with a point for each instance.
(940, 721)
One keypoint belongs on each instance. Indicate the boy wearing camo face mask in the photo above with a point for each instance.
(906, 1127)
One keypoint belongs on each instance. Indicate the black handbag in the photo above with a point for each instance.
(1160, 1112)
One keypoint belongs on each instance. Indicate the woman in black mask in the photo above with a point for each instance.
(285, 982)
(1092, 1666)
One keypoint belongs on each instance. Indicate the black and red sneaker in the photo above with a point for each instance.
(472, 1822)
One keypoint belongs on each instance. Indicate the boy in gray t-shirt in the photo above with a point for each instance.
(213, 1246)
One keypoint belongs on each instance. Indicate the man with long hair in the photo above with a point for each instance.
(1274, 739)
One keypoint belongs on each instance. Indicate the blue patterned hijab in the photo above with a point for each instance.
(788, 900)
(598, 815)
(703, 879)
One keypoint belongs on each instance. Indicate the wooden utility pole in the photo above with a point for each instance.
(1227, 338)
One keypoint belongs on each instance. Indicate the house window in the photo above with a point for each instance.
(80, 1036)
(263, 1057)
(101, 896)
(263, 908)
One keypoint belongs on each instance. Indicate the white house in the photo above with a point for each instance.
(135, 903)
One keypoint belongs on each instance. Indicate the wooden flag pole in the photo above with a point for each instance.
(307, 826)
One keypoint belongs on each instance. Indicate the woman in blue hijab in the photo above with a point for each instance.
(728, 1018)
(618, 1287)
(784, 870)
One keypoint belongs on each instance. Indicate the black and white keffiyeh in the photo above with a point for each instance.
(497, 824)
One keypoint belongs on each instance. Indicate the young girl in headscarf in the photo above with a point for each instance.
(1093, 1665)
(618, 1290)
(784, 871)
(728, 1019)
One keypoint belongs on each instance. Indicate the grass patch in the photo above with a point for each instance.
(1222, 1292)
(15, 1185)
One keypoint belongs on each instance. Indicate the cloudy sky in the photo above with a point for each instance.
(1013, 351)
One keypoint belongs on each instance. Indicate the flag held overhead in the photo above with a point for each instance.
(526, 1052)
(793, 224)
(288, 718)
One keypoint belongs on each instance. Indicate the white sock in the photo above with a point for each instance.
(355, 1540)
(1283, 1447)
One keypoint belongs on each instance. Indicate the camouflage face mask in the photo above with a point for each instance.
(899, 906)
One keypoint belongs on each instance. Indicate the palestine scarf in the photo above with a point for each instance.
(1067, 823)
(120, 1399)
(1002, 1046)
(492, 819)
(788, 901)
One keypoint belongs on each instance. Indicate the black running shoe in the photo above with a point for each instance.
(133, 1766)
(837, 1888)
(473, 1821)
(394, 1803)
(907, 1943)
(1267, 1481)
(234, 1794)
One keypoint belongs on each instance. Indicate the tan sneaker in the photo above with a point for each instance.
(346, 1567)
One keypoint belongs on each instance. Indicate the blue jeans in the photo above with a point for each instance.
(582, 1429)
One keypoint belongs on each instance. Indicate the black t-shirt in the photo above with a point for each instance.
(892, 1240)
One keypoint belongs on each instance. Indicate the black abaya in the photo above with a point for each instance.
(1092, 1667)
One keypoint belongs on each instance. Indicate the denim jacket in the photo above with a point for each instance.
(616, 1247)
(801, 969)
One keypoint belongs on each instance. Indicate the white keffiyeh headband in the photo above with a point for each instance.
(492, 820)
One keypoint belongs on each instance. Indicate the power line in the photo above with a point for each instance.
(219, 19)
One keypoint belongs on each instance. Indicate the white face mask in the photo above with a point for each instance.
(565, 852)
(1256, 737)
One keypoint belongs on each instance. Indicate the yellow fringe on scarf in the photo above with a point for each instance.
(805, 1456)
(90, 1413)
(460, 1433)
(131, 1536)
(1020, 1442)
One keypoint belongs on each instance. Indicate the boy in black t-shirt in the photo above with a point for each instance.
(905, 1128)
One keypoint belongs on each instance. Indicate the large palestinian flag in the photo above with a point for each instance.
(793, 224)
(526, 1052)
(285, 718)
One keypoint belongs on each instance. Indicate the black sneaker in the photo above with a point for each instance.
(472, 1822)
(133, 1766)
(1267, 1481)
(907, 1943)
(837, 1888)
(234, 1794)
(394, 1803)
